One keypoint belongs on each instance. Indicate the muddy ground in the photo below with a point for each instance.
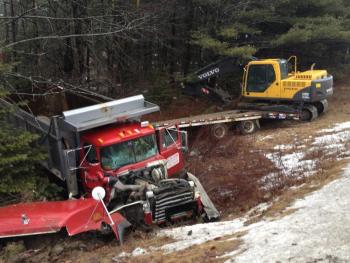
(231, 170)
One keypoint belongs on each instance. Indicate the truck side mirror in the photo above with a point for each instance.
(184, 141)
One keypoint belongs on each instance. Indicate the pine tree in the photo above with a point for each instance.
(19, 154)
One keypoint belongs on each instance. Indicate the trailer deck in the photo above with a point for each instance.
(224, 117)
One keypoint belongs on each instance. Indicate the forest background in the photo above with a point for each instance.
(122, 47)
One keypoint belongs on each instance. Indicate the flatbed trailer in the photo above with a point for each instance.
(246, 120)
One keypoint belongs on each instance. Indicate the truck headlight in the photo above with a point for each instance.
(149, 194)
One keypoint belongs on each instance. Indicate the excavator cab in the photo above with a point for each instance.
(262, 78)
(271, 82)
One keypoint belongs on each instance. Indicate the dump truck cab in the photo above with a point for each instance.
(117, 149)
(130, 172)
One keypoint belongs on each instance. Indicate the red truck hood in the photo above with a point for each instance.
(76, 216)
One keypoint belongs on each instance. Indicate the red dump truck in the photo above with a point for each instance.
(119, 171)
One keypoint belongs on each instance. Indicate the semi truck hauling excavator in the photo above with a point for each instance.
(119, 171)
(267, 85)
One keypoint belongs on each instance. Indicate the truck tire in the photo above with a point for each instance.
(248, 126)
(219, 131)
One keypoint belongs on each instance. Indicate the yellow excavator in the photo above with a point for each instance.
(268, 84)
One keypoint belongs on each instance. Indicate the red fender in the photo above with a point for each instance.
(77, 216)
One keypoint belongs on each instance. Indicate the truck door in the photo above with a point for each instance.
(90, 165)
(170, 149)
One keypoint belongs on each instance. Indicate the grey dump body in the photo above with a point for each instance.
(61, 133)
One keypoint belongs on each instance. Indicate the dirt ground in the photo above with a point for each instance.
(231, 171)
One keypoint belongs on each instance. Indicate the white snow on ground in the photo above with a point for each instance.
(267, 137)
(332, 141)
(337, 127)
(318, 231)
(197, 234)
(283, 147)
(135, 253)
(291, 163)
(336, 139)
(297, 227)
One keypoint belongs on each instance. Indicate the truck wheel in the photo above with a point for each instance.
(219, 131)
(247, 127)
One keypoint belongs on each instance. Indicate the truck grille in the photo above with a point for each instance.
(172, 198)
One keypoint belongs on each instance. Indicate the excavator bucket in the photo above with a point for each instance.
(76, 216)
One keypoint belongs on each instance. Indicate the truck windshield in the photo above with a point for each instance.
(128, 152)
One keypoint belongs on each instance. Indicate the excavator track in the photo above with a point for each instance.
(309, 113)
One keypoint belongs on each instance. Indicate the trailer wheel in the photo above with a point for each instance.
(247, 127)
(219, 131)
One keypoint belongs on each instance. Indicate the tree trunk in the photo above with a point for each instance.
(7, 30)
(13, 22)
(188, 52)
(79, 10)
(172, 41)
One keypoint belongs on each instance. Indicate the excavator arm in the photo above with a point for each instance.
(203, 82)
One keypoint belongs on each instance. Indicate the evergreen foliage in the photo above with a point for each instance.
(62, 41)
(17, 159)
(20, 153)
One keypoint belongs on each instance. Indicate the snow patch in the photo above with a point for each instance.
(337, 127)
(135, 253)
(294, 165)
(197, 234)
(291, 164)
(138, 252)
(267, 137)
(317, 231)
(282, 147)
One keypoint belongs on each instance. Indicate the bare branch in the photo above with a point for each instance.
(128, 27)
